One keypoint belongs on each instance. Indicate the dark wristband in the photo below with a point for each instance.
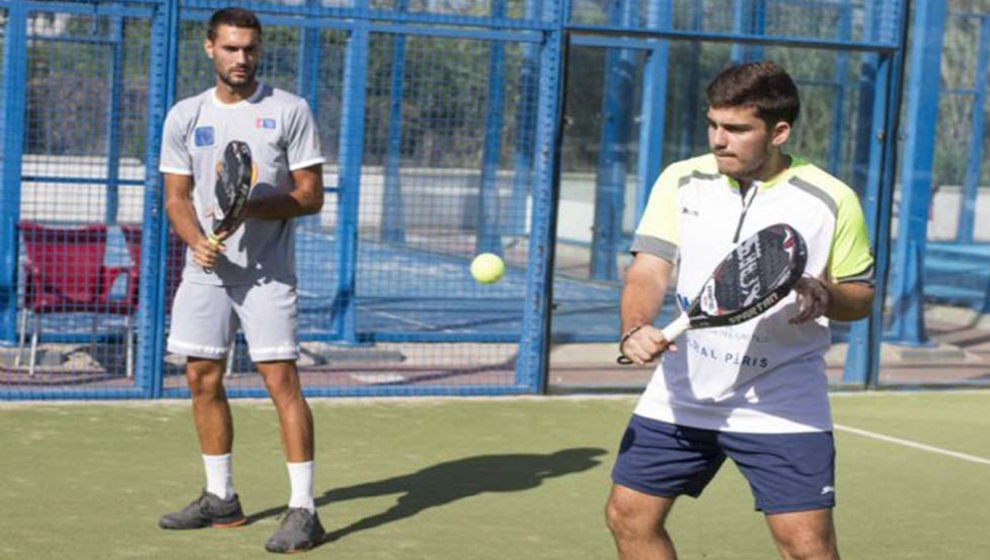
(625, 337)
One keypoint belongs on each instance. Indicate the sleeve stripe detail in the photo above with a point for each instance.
(818, 193)
(307, 163)
(175, 171)
(695, 174)
(867, 276)
(654, 246)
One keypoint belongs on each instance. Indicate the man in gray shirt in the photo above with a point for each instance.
(247, 279)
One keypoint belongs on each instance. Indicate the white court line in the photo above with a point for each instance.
(914, 444)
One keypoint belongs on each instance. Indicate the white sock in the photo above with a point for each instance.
(301, 482)
(219, 475)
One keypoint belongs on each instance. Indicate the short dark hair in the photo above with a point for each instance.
(235, 17)
(763, 85)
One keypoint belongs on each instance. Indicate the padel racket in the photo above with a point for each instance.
(235, 176)
(759, 272)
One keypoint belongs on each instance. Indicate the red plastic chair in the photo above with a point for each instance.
(175, 254)
(174, 259)
(64, 273)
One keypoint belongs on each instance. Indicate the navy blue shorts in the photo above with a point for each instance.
(786, 472)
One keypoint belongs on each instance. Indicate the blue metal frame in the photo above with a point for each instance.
(908, 325)
(488, 238)
(653, 109)
(541, 31)
(531, 365)
(393, 207)
(967, 208)
(613, 149)
(863, 358)
(131, 8)
(114, 119)
(689, 118)
(308, 82)
(161, 95)
(323, 16)
(350, 156)
(725, 37)
(741, 25)
(839, 92)
(525, 126)
(14, 76)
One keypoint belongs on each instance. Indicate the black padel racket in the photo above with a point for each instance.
(235, 176)
(759, 272)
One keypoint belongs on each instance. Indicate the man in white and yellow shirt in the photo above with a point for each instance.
(754, 392)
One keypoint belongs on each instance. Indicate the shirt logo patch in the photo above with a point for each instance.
(688, 211)
(203, 136)
(268, 124)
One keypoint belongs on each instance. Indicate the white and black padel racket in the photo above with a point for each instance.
(759, 272)
(236, 174)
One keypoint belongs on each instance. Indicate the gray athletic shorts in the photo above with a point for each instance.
(205, 319)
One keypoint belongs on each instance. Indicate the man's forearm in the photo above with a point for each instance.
(306, 198)
(641, 303)
(282, 206)
(182, 216)
(849, 301)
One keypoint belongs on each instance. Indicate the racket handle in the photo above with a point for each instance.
(676, 327)
(212, 238)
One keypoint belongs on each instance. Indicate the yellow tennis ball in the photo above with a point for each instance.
(487, 268)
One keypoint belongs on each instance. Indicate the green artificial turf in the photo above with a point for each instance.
(506, 479)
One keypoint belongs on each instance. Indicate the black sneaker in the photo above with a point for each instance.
(300, 530)
(207, 510)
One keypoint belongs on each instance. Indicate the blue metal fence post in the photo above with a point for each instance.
(758, 28)
(350, 156)
(308, 83)
(692, 110)
(865, 123)
(613, 150)
(908, 325)
(838, 124)
(393, 208)
(15, 57)
(863, 358)
(971, 184)
(114, 119)
(525, 127)
(488, 239)
(534, 340)
(742, 24)
(163, 57)
(653, 106)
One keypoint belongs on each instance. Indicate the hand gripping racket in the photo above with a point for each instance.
(759, 272)
(235, 176)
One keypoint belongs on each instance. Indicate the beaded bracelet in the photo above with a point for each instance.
(625, 337)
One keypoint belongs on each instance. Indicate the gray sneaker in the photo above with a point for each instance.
(300, 530)
(207, 510)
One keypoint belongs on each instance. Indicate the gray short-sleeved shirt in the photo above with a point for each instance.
(279, 128)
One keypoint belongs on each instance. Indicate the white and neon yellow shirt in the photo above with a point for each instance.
(765, 375)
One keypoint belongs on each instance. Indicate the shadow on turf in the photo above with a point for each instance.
(451, 481)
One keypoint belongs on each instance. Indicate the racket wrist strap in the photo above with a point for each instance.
(626, 335)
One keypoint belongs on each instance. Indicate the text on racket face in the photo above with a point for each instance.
(760, 307)
(749, 265)
(748, 255)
